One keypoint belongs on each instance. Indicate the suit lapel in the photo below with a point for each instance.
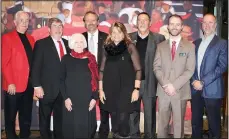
(168, 51)
(19, 43)
(86, 36)
(53, 47)
(179, 49)
(66, 46)
(211, 44)
(134, 38)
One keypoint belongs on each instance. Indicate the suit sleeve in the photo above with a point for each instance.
(157, 68)
(62, 79)
(221, 66)
(7, 69)
(161, 38)
(37, 64)
(187, 74)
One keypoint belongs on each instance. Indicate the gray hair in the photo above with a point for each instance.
(19, 13)
(74, 38)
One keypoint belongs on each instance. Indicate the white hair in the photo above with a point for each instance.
(72, 40)
(19, 13)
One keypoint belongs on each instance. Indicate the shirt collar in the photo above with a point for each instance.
(143, 37)
(208, 38)
(55, 40)
(96, 32)
(177, 40)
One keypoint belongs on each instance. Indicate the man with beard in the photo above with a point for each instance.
(95, 40)
(145, 42)
(174, 65)
(46, 78)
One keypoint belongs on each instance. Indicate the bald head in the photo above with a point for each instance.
(209, 24)
(21, 21)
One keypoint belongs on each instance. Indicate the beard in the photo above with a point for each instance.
(174, 34)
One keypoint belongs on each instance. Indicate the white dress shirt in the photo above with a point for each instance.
(57, 46)
(202, 49)
(94, 50)
(177, 40)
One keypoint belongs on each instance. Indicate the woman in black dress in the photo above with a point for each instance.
(120, 75)
(79, 90)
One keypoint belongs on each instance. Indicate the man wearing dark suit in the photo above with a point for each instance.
(46, 78)
(146, 44)
(95, 40)
(17, 52)
(207, 81)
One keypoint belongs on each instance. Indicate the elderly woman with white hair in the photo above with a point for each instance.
(79, 89)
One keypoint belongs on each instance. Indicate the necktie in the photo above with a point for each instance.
(173, 51)
(61, 49)
(91, 44)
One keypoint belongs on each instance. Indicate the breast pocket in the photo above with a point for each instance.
(182, 58)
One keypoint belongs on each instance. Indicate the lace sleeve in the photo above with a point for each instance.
(136, 61)
(102, 66)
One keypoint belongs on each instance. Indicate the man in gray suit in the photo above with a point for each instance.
(145, 42)
(174, 65)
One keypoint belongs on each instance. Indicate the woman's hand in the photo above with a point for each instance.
(92, 104)
(68, 104)
(135, 95)
(102, 96)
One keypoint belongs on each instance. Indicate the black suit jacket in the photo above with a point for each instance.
(150, 79)
(102, 37)
(46, 67)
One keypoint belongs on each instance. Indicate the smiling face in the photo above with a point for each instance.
(21, 22)
(209, 25)
(117, 35)
(175, 26)
(143, 23)
(91, 22)
(77, 42)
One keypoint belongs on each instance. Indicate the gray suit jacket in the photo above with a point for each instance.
(150, 79)
(179, 71)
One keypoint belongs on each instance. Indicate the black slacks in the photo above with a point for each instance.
(22, 103)
(46, 107)
(213, 107)
(149, 116)
(119, 123)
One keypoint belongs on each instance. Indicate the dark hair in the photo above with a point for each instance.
(90, 12)
(177, 16)
(52, 20)
(143, 13)
(122, 28)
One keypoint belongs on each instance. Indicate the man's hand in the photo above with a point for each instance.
(39, 92)
(68, 104)
(12, 89)
(197, 85)
(169, 89)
